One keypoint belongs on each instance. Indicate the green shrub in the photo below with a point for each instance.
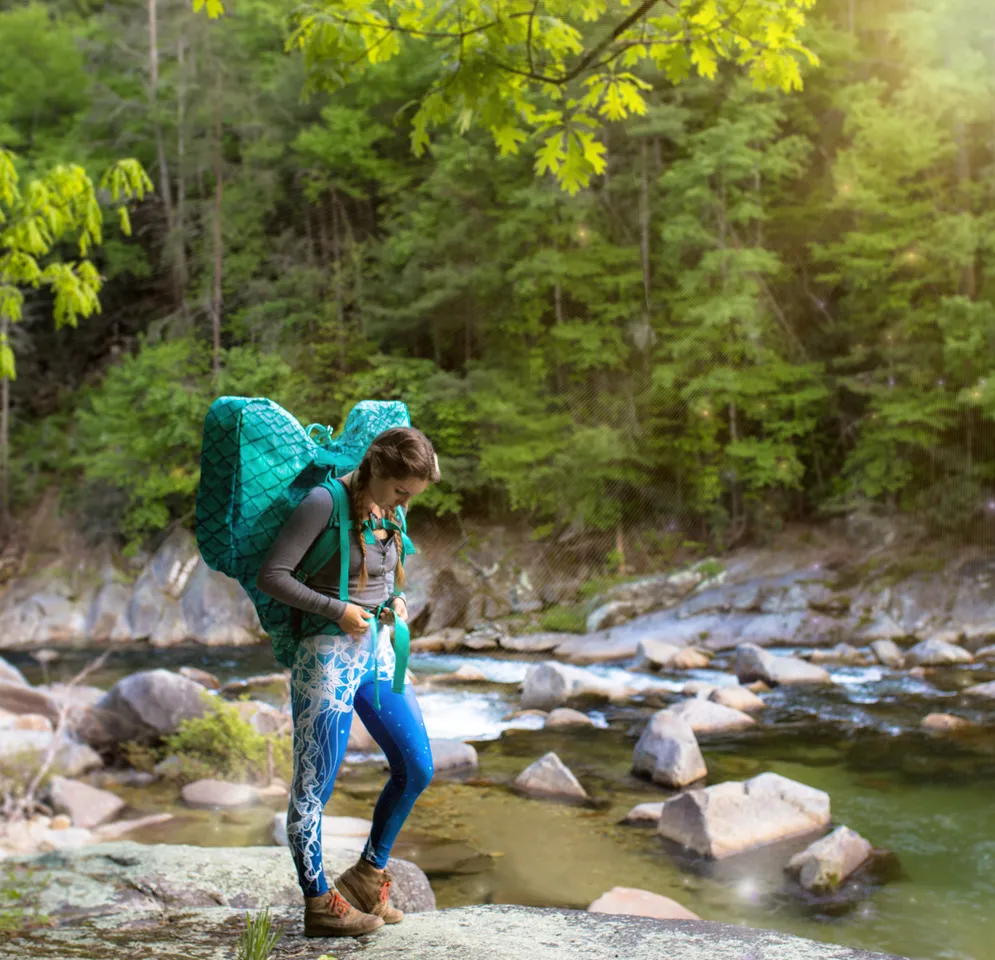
(567, 619)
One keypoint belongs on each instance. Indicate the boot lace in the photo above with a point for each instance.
(385, 884)
(338, 906)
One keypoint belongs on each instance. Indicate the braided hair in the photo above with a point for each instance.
(400, 453)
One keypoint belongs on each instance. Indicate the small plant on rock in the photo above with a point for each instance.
(258, 938)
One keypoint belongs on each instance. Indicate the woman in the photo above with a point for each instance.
(333, 673)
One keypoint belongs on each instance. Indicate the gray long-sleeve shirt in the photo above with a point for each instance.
(321, 594)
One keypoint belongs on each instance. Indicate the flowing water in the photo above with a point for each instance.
(923, 798)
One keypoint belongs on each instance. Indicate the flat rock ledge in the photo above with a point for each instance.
(462, 933)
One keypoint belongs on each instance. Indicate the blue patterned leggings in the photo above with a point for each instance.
(331, 675)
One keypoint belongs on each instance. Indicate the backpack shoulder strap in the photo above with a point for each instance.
(334, 539)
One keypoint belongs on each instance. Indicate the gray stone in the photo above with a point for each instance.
(630, 902)
(611, 615)
(132, 878)
(207, 680)
(550, 777)
(443, 641)
(888, 653)
(9, 674)
(107, 618)
(644, 814)
(660, 653)
(450, 755)
(60, 620)
(986, 690)
(565, 717)
(144, 707)
(22, 699)
(219, 793)
(706, 716)
(484, 637)
(550, 684)
(449, 598)
(738, 698)
(825, 865)
(937, 652)
(729, 818)
(752, 663)
(536, 642)
(494, 932)
(25, 750)
(881, 627)
(842, 653)
(215, 610)
(598, 648)
(86, 806)
(668, 752)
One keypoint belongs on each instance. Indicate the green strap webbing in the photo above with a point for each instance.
(334, 541)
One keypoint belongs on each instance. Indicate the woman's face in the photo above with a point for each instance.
(390, 494)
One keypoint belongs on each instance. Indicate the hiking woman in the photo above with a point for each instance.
(334, 673)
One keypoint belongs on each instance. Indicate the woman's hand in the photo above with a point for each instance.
(355, 621)
(400, 608)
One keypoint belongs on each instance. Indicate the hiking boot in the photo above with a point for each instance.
(330, 915)
(367, 889)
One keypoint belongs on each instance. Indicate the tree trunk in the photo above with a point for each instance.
(337, 273)
(644, 222)
(5, 524)
(183, 274)
(218, 244)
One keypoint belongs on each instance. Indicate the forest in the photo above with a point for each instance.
(739, 300)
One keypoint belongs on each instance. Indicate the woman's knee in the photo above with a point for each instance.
(421, 770)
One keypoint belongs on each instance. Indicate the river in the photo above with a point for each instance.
(926, 799)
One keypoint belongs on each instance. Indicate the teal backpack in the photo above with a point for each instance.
(257, 464)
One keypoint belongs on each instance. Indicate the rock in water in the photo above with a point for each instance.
(937, 653)
(565, 717)
(889, 653)
(738, 698)
(657, 652)
(87, 806)
(732, 817)
(205, 679)
(548, 685)
(550, 777)
(143, 707)
(982, 690)
(644, 814)
(705, 716)
(668, 752)
(449, 755)
(825, 865)
(219, 793)
(753, 663)
(945, 723)
(640, 903)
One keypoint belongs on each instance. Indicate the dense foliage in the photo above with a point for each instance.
(764, 305)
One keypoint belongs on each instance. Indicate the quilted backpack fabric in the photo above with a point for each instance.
(257, 464)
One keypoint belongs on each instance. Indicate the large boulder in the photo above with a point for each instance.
(135, 879)
(612, 614)
(668, 753)
(729, 818)
(550, 777)
(22, 753)
(143, 708)
(753, 663)
(219, 794)
(551, 684)
(825, 865)
(86, 806)
(706, 716)
(216, 611)
(107, 618)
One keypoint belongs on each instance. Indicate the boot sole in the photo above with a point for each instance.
(325, 932)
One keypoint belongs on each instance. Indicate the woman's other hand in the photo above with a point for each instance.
(400, 608)
(355, 621)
